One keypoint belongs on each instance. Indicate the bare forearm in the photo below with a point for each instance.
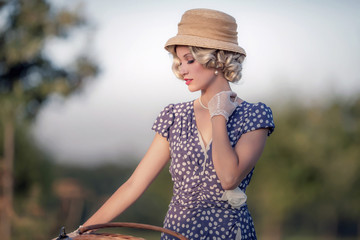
(116, 204)
(150, 166)
(224, 156)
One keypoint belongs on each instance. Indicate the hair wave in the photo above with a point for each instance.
(230, 63)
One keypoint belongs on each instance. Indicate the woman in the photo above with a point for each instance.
(213, 142)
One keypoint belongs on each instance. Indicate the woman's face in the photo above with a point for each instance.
(194, 74)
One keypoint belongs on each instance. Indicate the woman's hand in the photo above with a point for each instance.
(73, 234)
(223, 103)
(63, 234)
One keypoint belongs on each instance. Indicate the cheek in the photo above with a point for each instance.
(203, 73)
(207, 76)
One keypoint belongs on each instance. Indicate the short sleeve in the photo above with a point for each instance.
(164, 121)
(259, 116)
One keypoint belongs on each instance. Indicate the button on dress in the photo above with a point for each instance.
(195, 209)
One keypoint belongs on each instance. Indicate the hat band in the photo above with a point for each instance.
(194, 29)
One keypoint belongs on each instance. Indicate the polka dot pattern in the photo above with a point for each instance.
(195, 209)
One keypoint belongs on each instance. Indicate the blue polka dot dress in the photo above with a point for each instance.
(196, 209)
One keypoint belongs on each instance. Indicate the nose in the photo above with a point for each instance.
(183, 70)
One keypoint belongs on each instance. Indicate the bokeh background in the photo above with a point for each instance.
(81, 83)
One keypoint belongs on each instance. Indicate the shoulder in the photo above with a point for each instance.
(253, 116)
(256, 108)
(170, 117)
(175, 109)
(184, 105)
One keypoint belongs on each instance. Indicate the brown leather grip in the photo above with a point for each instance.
(131, 225)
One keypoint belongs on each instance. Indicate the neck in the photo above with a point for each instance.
(218, 86)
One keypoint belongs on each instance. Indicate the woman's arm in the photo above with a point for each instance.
(150, 166)
(233, 164)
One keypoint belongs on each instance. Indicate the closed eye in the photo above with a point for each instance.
(188, 62)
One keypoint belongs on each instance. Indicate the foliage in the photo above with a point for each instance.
(307, 179)
(32, 167)
(28, 78)
(33, 199)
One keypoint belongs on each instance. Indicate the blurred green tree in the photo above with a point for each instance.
(28, 77)
(307, 179)
(34, 200)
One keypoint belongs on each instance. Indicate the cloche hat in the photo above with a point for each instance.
(208, 29)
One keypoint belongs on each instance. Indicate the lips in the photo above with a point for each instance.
(187, 81)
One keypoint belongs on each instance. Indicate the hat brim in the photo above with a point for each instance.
(196, 41)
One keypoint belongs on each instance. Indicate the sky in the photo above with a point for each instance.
(304, 51)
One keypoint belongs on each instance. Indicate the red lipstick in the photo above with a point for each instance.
(187, 81)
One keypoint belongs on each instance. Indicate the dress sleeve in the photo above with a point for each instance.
(164, 121)
(259, 116)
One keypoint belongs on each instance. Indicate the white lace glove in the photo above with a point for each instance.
(223, 103)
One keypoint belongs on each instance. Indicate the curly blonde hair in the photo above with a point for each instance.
(230, 63)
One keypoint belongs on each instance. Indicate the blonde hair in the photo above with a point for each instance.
(230, 63)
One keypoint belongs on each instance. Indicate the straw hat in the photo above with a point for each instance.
(208, 29)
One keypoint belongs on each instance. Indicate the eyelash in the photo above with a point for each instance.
(189, 62)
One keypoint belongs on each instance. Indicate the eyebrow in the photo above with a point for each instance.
(187, 55)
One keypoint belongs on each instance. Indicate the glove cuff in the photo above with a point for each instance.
(220, 112)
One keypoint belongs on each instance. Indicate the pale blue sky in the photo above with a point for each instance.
(303, 50)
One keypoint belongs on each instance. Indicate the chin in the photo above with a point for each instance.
(193, 89)
(196, 87)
